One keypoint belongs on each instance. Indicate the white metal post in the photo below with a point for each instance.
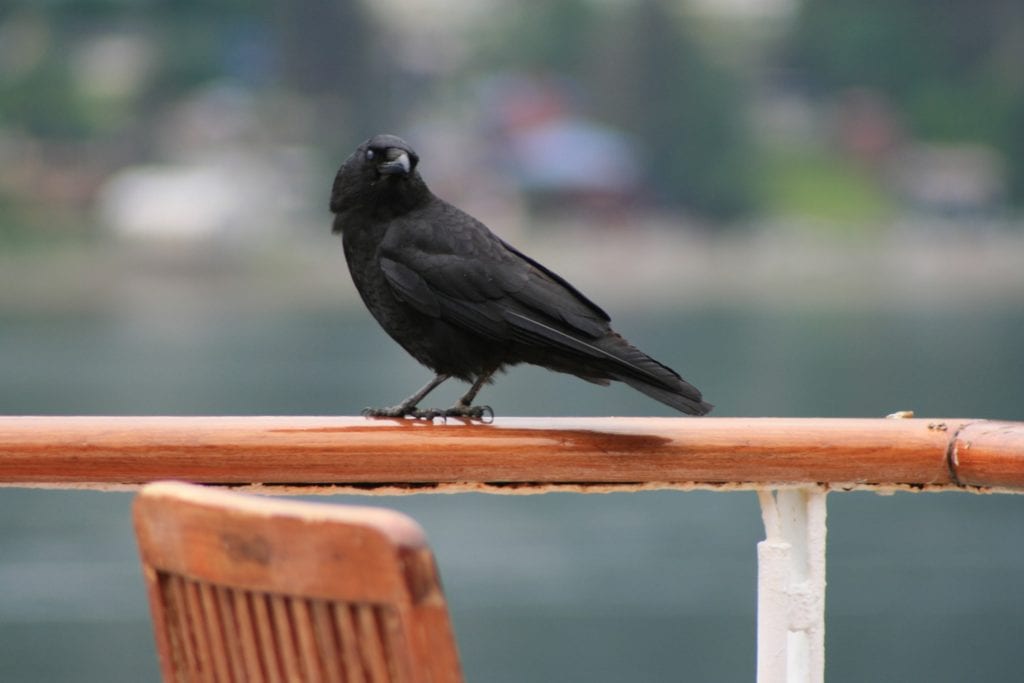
(791, 587)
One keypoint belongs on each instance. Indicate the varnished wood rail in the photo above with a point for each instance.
(512, 454)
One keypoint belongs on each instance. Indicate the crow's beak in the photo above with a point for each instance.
(397, 162)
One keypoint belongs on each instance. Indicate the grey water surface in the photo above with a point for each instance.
(622, 587)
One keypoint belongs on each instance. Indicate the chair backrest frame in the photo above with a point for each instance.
(245, 588)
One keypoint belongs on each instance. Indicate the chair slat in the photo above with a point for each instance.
(327, 642)
(246, 622)
(267, 643)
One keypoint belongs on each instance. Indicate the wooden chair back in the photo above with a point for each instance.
(244, 588)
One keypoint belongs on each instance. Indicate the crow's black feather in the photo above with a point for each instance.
(464, 302)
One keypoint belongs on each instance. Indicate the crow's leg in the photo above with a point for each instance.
(467, 398)
(464, 406)
(407, 408)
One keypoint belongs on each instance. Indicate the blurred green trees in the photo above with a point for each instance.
(637, 66)
(107, 72)
(689, 113)
(953, 69)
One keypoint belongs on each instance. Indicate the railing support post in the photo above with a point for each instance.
(791, 587)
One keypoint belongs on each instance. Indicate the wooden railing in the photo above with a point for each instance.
(513, 454)
(792, 463)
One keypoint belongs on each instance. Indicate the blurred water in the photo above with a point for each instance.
(646, 587)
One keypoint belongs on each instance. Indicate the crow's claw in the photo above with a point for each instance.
(483, 413)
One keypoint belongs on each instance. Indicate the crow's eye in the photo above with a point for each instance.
(369, 155)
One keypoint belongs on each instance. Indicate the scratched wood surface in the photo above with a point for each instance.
(511, 453)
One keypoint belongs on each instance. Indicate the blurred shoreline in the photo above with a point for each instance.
(650, 268)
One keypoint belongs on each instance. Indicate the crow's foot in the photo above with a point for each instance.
(482, 413)
(394, 411)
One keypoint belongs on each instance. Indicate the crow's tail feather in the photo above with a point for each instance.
(682, 400)
(607, 357)
(660, 382)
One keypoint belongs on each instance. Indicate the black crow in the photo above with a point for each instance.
(464, 302)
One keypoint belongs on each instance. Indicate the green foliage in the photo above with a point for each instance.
(44, 103)
(48, 100)
(812, 184)
(947, 65)
(638, 67)
(687, 113)
(547, 36)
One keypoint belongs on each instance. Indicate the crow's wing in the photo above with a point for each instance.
(447, 264)
(450, 266)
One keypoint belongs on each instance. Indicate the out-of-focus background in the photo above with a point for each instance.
(809, 208)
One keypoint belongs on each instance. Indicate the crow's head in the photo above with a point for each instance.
(381, 174)
(388, 155)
